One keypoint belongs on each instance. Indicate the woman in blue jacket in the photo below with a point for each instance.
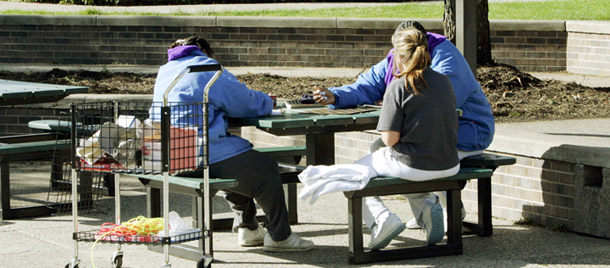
(476, 125)
(232, 156)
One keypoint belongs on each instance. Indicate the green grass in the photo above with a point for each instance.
(552, 10)
(547, 10)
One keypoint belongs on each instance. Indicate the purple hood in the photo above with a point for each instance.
(179, 52)
(433, 40)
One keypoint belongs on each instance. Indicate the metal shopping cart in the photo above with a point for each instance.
(152, 138)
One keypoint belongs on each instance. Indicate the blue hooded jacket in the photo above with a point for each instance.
(227, 98)
(476, 125)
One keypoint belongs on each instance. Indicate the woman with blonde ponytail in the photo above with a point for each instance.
(418, 126)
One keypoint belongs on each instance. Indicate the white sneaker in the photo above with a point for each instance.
(249, 238)
(383, 233)
(412, 224)
(292, 243)
(433, 222)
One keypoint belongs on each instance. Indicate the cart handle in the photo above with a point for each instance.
(196, 69)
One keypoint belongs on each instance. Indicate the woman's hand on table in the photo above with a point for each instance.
(323, 96)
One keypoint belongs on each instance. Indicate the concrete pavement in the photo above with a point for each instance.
(46, 241)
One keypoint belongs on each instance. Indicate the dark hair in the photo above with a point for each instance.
(194, 40)
(411, 23)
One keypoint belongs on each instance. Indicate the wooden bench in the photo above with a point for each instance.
(480, 167)
(27, 148)
(381, 186)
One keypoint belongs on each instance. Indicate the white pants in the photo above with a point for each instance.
(385, 164)
(442, 196)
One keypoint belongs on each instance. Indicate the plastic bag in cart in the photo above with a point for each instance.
(119, 140)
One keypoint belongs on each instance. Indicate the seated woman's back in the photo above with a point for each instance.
(427, 121)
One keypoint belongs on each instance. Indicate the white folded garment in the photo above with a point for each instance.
(319, 180)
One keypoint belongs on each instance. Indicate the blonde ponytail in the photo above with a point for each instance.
(411, 57)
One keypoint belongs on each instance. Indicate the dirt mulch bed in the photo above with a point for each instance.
(515, 96)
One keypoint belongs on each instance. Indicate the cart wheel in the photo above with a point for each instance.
(117, 262)
(117, 259)
(202, 263)
(73, 264)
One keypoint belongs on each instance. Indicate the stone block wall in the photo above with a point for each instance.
(592, 192)
(252, 41)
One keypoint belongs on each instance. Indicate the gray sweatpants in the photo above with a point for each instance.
(258, 179)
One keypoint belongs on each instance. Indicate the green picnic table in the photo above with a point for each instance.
(18, 92)
(319, 129)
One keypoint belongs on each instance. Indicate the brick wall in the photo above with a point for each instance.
(15, 119)
(252, 41)
(588, 50)
(540, 190)
(530, 45)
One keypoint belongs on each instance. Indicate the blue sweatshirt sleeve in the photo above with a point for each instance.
(368, 88)
(237, 100)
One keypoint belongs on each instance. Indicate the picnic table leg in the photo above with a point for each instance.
(85, 190)
(354, 206)
(290, 197)
(6, 212)
(320, 149)
(5, 192)
(153, 203)
(484, 198)
(484, 226)
(454, 228)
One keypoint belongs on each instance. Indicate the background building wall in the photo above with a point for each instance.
(253, 41)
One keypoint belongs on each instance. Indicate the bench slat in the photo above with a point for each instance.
(193, 183)
(283, 151)
(463, 174)
(34, 146)
(488, 160)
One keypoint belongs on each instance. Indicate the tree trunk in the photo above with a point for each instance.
(483, 36)
(449, 20)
